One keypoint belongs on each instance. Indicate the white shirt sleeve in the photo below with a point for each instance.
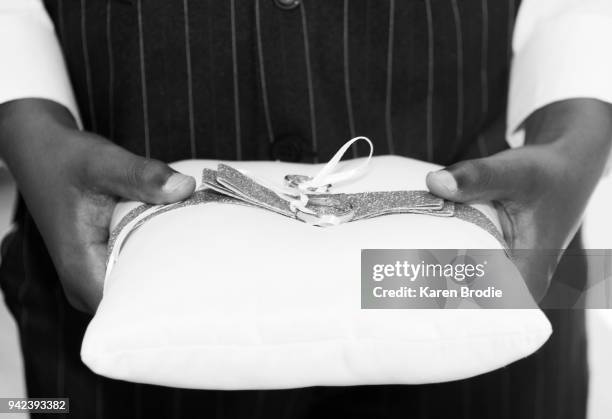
(562, 50)
(32, 61)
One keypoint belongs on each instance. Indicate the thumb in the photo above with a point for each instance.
(502, 176)
(129, 176)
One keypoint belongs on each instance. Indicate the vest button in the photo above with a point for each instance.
(287, 148)
(287, 4)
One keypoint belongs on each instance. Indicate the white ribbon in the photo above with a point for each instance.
(298, 197)
(328, 176)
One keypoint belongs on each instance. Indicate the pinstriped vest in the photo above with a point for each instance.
(255, 79)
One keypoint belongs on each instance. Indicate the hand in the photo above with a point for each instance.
(541, 189)
(71, 181)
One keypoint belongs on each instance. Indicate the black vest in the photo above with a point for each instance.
(280, 79)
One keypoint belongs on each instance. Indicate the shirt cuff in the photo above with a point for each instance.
(566, 56)
(32, 61)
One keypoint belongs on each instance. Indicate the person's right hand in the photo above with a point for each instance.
(71, 181)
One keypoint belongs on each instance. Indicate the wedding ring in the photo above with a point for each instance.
(293, 181)
(329, 211)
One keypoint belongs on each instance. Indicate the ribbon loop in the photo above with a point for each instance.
(327, 176)
(323, 181)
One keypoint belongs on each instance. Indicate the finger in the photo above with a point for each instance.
(129, 176)
(507, 175)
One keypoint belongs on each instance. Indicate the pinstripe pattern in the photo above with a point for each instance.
(211, 63)
(368, 49)
(111, 72)
(389, 127)
(143, 82)
(430, 80)
(459, 40)
(90, 101)
(343, 81)
(484, 54)
(192, 142)
(235, 84)
(311, 104)
(434, 128)
(262, 72)
(347, 73)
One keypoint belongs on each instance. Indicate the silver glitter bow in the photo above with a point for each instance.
(323, 209)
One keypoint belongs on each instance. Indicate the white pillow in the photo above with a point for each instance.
(221, 296)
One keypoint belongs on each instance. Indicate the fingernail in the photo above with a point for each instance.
(446, 180)
(175, 182)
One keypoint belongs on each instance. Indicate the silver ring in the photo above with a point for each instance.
(343, 211)
(293, 181)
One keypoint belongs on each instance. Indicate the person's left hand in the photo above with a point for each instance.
(541, 189)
